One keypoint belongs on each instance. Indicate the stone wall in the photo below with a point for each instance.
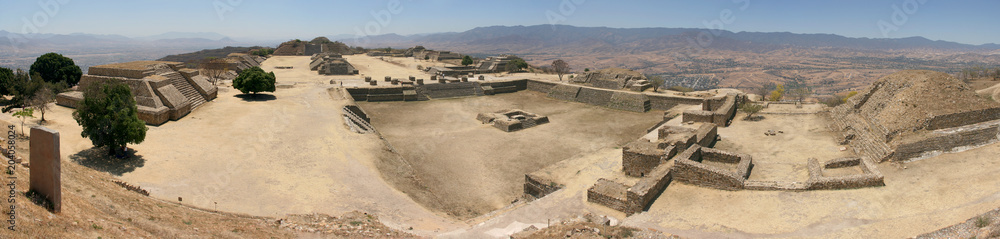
(963, 118)
(640, 157)
(663, 102)
(629, 102)
(116, 72)
(451, 90)
(688, 168)
(539, 86)
(720, 114)
(537, 186)
(642, 194)
(707, 135)
(948, 139)
(870, 177)
(564, 92)
(609, 193)
(594, 96)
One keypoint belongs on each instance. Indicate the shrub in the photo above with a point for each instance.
(750, 109)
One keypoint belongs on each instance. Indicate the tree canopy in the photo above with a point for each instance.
(254, 80)
(467, 60)
(109, 117)
(516, 65)
(54, 68)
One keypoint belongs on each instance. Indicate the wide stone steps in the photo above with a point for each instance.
(186, 89)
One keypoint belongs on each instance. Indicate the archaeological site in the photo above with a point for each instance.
(377, 129)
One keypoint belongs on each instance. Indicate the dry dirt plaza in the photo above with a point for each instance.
(293, 154)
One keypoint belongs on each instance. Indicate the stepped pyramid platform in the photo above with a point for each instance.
(163, 90)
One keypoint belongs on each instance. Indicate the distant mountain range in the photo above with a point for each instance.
(549, 38)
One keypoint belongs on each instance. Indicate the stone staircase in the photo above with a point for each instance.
(186, 89)
(868, 139)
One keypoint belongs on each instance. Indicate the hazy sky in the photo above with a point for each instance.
(973, 22)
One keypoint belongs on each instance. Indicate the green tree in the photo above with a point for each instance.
(7, 81)
(516, 65)
(466, 60)
(426, 57)
(586, 69)
(109, 117)
(24, 114)
(750, 109)
(254, 80)
(55, 68)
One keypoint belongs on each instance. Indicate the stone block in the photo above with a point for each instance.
(45, 174)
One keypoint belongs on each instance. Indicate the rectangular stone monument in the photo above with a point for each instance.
(45, 169)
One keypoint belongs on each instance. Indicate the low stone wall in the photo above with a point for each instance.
(870, 177)
(640, 157)
(707, 134)
(629, 102)
(948, 139)
(69, 99)
(537, 186)
(642, 194)
(594, 96)
(662, 102)
(154, 116)
(689, 169)
(608, 193)
(564, 92)
(451, 90)
(539, 86)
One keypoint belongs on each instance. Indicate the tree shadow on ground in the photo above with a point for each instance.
(755, 118)
(97, 158)
(257, 97)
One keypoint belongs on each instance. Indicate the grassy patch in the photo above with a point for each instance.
(982, 222)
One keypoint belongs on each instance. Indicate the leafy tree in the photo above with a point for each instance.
(561, 68)
(467, 60)
(254, 80)
(109, 117)
(586, 69)
(778, 92)
(426, 57)
(24, 114)
(23, 88)
(516, 65)
(7, 79)
(750, 109)
(54, 68)
(657, 81)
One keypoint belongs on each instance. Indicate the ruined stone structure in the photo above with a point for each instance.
(495, 64)
(239, 62)
(614, 79)
(718, 110)
(915, 114)
(512, 120)
(163, 90)
(331, 64)
(712, 168)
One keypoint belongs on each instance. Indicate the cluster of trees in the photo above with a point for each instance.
(48, 76)
(262, 52)
(776, 92)
(978, 72)
(516, 65)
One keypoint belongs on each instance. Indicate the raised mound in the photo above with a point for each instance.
(905, 109)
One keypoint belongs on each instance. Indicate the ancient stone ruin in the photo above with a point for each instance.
(916, 114)
(512, 120)
(45, 167)
(331, 64)
(614, 79)
(163, 90)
